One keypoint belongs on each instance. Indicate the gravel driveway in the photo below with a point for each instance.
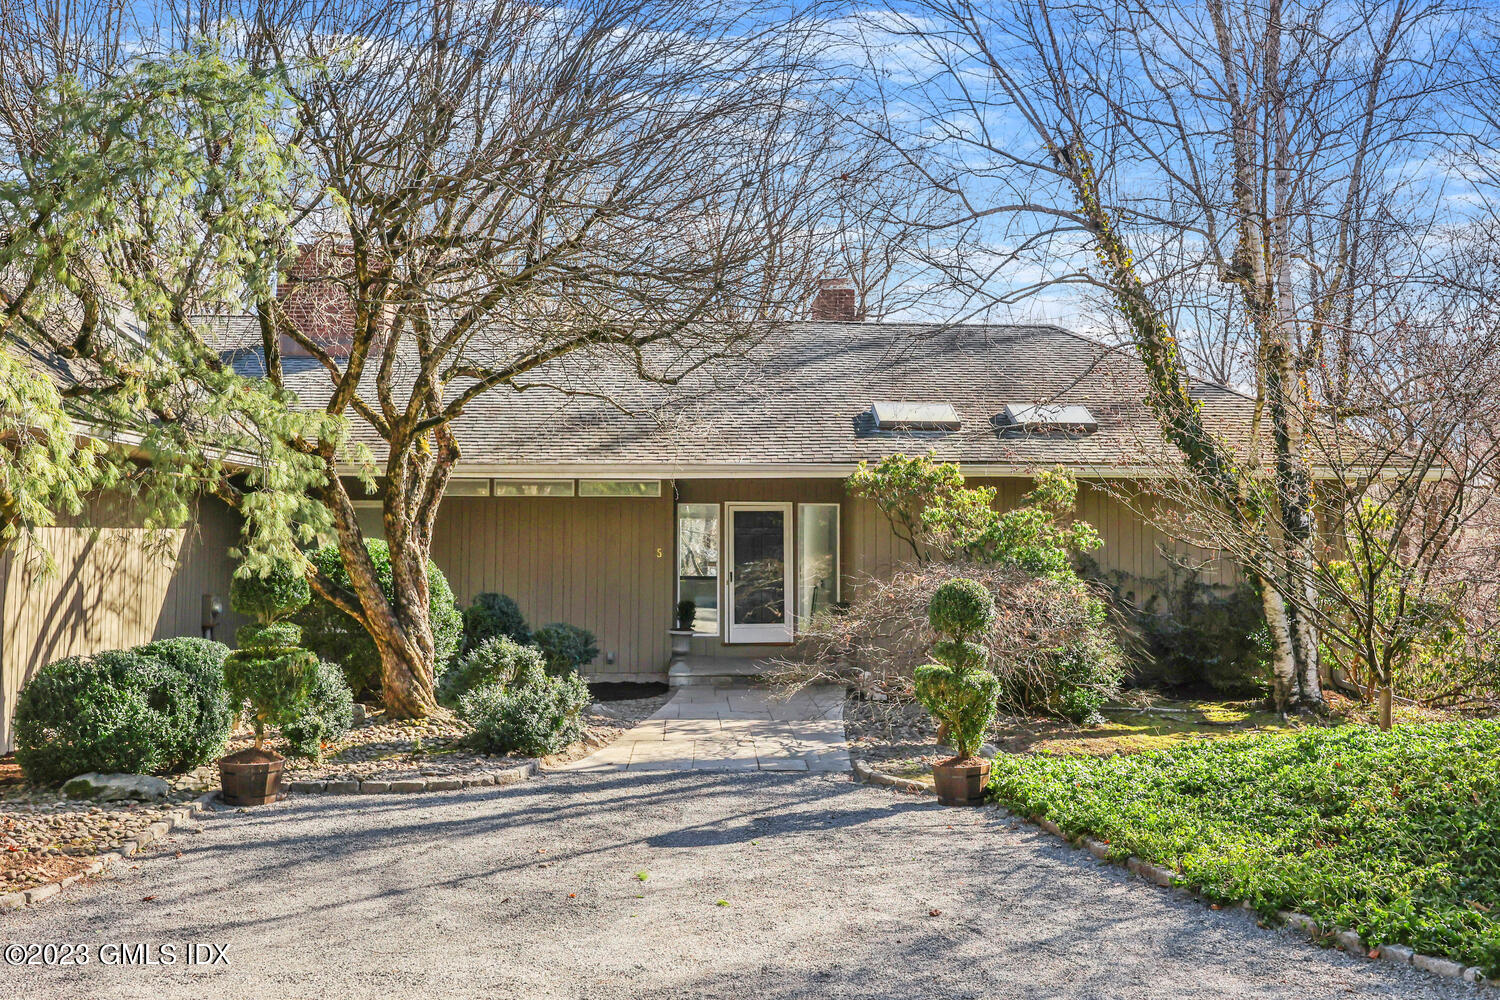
(533, 891)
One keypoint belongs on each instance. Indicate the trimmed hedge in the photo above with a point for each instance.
(328, 714)
(155, 709)
(201, 661)
(566, 648)
(335, 636)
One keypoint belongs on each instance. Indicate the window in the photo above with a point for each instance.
(817, 558)
(370, 516)
(467, 488)
(533, 487)
(698, 562)
(619, 487)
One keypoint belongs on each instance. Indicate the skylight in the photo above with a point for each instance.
(914, 416)
(1048, 417)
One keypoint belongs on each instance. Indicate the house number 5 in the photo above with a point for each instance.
(658, 552)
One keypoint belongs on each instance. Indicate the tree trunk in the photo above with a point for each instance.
(401, 628)
(1283, 656)
(1387, 695)
(406, 676)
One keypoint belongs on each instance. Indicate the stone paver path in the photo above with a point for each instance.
(733, 729)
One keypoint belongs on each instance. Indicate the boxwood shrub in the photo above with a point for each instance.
(566, 648)
(493, 615)
(328, 714)
(499, 661)
(535, 718)
(335, 636)
(156, 709)
(201, 661)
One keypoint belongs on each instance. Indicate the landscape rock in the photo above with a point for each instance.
(1439, 966)
(1400, 954)
(116, 787)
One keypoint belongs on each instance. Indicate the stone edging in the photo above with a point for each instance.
(205, 804)
(447, 783)
(156, 831)
(1166, 878)
(868, 775)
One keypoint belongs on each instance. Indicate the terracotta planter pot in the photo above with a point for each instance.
(251, 777)
(961, 783)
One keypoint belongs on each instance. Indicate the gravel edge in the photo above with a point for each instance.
(205, 803)
(1333, 937)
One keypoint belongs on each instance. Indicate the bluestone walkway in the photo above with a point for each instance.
(733, 729)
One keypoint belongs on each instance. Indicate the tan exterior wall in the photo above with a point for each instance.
(112, 586)
(602, 563)
(607, 564)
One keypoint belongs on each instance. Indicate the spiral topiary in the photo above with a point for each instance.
(269, 670)
(271, 595)
(961, 608)
(958, 690)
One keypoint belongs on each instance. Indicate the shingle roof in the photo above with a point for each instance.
(802, 399)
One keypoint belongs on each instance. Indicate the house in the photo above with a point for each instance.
(600, 499)
(727, 489)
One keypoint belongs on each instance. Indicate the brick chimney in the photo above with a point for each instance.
(836, 302)
(316, 301)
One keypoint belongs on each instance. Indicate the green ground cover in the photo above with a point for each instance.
(1395, 835)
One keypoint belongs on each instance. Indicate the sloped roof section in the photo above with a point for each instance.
(801, 401)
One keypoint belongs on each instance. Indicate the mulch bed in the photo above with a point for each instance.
(438, 747)
(45, 837)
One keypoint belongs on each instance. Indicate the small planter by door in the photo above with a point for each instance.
(682, 645)
(251, 777)
(961, 784)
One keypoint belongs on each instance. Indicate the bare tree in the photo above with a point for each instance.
(482, 192)
(502, 185)
(1252, 169)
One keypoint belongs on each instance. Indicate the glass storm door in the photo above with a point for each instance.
(759, 578)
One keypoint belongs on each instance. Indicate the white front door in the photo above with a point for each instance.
(758, 537)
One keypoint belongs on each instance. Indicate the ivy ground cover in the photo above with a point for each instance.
(1395, 835)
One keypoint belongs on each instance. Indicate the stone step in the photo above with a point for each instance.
(702, 671)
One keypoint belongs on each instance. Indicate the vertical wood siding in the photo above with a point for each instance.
(606, 564)
(111, 587)
(602, 563)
